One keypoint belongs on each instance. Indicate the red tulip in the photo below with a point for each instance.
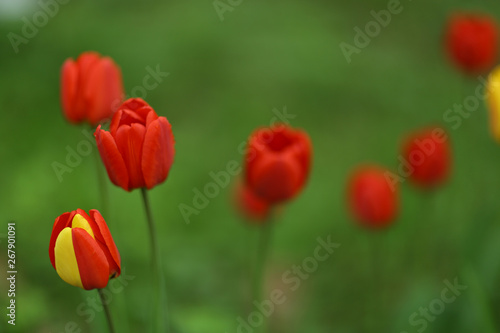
(277, 163)
(90, 88)
(472, 42)
(82, 250)
(373, 200)
(138, 150)
(250, 205)
(427, 155)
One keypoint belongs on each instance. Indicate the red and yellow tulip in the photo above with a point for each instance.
(82, 250)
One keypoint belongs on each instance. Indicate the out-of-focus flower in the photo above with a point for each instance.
(90, 87)
(427, 153)
(494, 102)
(277, 162)
(472, 41)
(82, 250)
(250, 205)
(372, 200)
(138, 150)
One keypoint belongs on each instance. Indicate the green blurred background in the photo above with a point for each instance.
(226, 77)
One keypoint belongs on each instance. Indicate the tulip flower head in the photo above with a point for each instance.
(277, 163)
(472, 42)
(427, 153)
(494, 102)
(91, 88)
(138, 150)
(250, 205)
(372, 200)
(82, 250)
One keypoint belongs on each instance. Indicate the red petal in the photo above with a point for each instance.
(129, 140)
(112, 159)
(92, 223)
(115, 122)
(69, 86)
(144, 112)
(108, 242)
(85, 63)
(92, 263)
(133, 104)
(60, 223)
(158, 153)
(150, 117)
(126, 118)
(302, 149)
(104, 90)
(275, 177)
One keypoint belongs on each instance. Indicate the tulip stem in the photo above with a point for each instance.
(106, 311)
(265, 235)
(158, 285)
(480, 298)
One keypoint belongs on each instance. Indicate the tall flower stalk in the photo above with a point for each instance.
(277, 166)
(138, 151)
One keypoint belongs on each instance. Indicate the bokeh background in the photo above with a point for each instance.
(226, 77)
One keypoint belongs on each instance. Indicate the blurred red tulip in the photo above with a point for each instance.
(250, 205)
(472, 41)
(82, 250)
(277, 163)
(90, 87)
(373, 201)
(428, 157)
(138, 150)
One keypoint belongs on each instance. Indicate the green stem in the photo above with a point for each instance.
(372, 270)
(262, 255)
(106, 311)
(480, 299)
(158, 279)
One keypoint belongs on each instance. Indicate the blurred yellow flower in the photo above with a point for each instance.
(494, 101)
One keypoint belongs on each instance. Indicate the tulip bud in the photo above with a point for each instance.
(277, 163)
(494, 102)
(472, 42)
(138, 150)
(82, 250)
(373, 201)
(428, 153)
(90, 87)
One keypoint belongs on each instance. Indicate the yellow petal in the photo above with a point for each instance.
(66, 264)
(494, 101)
(80, 222)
